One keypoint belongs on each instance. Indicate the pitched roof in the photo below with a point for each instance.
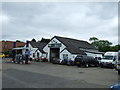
(74, 45)
(38, 45)
(74, 50)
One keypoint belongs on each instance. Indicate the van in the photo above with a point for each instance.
(109, 59)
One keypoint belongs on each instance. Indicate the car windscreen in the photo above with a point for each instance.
(108, 57)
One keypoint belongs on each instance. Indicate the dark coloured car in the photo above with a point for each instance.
(67, 62)
(70, 62)
(85, 61)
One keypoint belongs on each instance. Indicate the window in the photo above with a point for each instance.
(65, 56)
(108, 57)
(33, 54)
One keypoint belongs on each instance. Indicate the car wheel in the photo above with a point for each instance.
(72, 63)
(118, 72)
(96, 65)
(112, 67)
(86, 65)
(53, 62)
(78, 65)
(116, 68)
(101, 65)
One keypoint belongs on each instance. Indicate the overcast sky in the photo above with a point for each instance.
(24, 21)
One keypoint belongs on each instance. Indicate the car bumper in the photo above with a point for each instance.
(108, 64)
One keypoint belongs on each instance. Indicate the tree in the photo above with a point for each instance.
(104, 45)
(101, 45)
(45, 40)
(18, 41)
(115, 48)
(93, 39)
(33, 40)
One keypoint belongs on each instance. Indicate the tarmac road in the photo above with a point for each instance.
(47, 75)
(24, 79)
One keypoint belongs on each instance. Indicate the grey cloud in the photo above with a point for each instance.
(76, 20)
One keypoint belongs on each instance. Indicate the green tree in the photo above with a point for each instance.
(104, 45)
(33, 40)
(115, 48)
(45, 40)
(93, 39)
(101, 45)
(18, 41)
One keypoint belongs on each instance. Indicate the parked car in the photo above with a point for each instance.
(86, 61)
(109, 59)
(70, 62)
(115, 87)
(2, 55)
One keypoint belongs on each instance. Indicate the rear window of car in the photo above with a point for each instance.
(78, 58)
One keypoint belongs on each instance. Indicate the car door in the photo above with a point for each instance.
(91, 60)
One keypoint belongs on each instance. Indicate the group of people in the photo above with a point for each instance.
(20, 58)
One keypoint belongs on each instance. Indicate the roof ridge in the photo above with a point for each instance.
(70, 38)
(75, 42)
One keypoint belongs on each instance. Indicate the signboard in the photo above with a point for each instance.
(54, 45)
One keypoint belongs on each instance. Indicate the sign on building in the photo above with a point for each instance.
(54, 45)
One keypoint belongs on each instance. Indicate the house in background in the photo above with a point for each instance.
(36, 49)
(6, 46)
(68, 48)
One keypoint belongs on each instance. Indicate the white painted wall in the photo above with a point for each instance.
(70, 56)
(40, 54)
(32, 50)
(47, 49)
(73, 57)
(65, 52)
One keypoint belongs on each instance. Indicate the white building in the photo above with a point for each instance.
(67, 48)
(36, 50)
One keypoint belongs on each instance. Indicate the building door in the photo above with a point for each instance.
(54, 53)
